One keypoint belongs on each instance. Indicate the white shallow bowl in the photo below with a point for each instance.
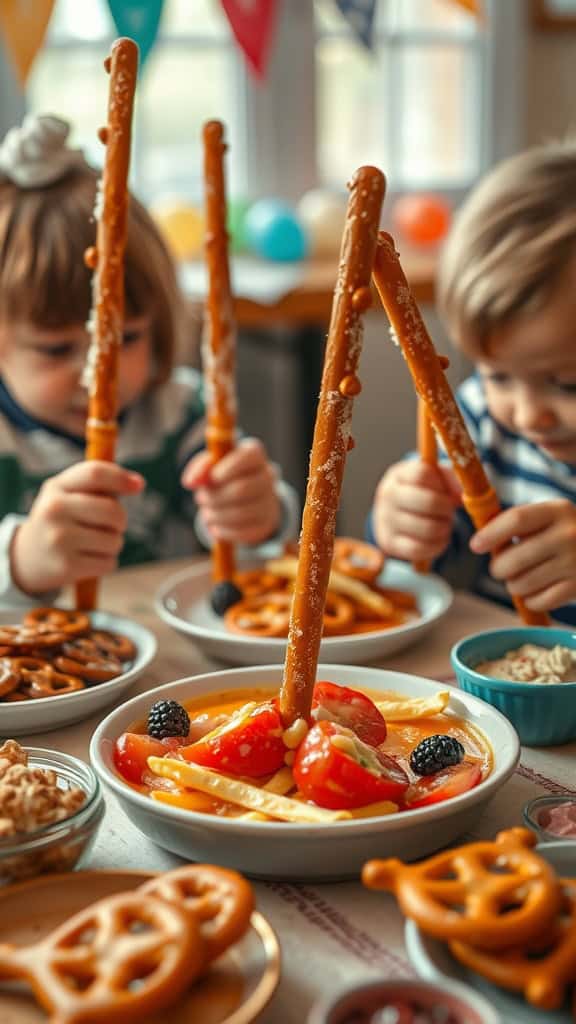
(434, 961)
(293, 851)
(183, 602)
(30, 716)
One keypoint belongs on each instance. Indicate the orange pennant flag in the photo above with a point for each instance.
(23, 25)
(475, 7)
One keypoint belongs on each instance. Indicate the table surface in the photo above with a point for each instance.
(332, 935)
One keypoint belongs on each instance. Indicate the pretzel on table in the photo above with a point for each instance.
(432, 386)
(427, 448)
(491, 894)
(84, 971)
(332, 440)
(106, 259)
(543, 969)
(219, 346)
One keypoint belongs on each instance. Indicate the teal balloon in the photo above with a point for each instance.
(237, 209)
(138, 19)
(274, 232)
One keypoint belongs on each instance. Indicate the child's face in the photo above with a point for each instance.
(530, 381)
(42, 369)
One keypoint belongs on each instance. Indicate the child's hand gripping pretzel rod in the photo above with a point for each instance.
(219, 349)
(432, 387)
(332, 441)
(427, 446)
(107, 261)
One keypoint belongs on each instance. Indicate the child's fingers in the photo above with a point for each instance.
(525, 555)
(94, 543)
(539, 577)
(424, 502)
(253, 488)
(248, 533)
(552, 597)
(514, 522)
(422, 528)
(410, 549)
(422, 474)
(197, 472)
(94, 477)
(248, 457)
(95, 511)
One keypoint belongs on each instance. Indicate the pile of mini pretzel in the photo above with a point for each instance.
(134, 953)
(355, 603)
(500, 907)
(54, 652)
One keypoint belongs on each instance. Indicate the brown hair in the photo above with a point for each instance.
(44, 233)
(510, 243)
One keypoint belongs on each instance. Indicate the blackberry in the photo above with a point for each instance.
(224, 595)
(167, 718)
(435, 753)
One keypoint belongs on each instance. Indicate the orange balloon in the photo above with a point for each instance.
(421, 219)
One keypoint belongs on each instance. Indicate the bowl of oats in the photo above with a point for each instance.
(529, 674)
(51, 806)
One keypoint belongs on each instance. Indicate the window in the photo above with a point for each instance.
(414, 107)
(434, 105)
(190, 77)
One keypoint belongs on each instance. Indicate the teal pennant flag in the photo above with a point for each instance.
(138, 19)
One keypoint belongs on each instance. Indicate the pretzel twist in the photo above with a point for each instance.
(219, 348)
(357, 559)
(221, 900)
(541, 970)
(491, 894)
(107, 260)
(433, 388)
(37, 678)
(84, 971)
(268, 615)
(72, 623)
(332, 439)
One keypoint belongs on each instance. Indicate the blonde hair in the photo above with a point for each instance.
(510, 243)
(44, 233)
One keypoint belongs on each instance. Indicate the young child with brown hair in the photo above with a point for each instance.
(61, 518)
(507, 293)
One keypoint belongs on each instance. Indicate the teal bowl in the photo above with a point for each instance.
(543, 714)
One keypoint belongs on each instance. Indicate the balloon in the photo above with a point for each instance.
(182, 226)
(237, 209)
(274, 232)
(421, 219)
(323, 213)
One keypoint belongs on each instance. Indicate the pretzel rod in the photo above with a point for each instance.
(107, 261)
(219, 349)
(332, 440)
(431, 384)
(427, 448)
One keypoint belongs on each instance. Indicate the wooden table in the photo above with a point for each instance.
(317, 925)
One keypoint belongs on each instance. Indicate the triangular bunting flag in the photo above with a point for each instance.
(138, 19)
(252, 22)
(23, 25)
(360, 16)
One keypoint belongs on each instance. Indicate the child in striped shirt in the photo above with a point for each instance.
(61, 518)
(507, 292)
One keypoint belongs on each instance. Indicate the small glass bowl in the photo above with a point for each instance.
(59, 846)
(534, 810)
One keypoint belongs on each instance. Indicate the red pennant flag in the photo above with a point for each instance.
(252, 22)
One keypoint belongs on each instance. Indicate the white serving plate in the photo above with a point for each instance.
(24, 717)
(294, 851)
(183, 602)
(434, 961)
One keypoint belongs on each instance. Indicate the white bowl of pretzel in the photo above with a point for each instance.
(59, 666)
(371, 609)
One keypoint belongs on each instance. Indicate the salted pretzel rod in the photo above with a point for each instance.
(427, 447)
(332, 441)
(106, 259)
(219, 348)
(432, 386)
